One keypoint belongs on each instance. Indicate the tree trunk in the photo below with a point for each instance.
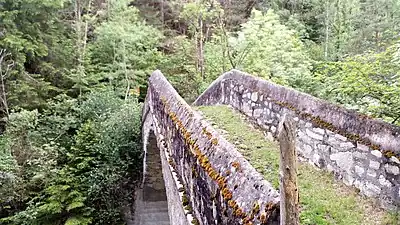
(201, 49)
(326, 30)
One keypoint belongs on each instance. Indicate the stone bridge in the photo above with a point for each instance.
(192, 175)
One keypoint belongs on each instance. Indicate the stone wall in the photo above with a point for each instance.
(364, 152)
(216, 185)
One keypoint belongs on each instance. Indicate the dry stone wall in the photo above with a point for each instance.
(364, 152)
(215, 184)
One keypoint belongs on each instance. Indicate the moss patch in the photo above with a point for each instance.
(323, 199)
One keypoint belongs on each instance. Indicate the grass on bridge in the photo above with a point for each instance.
(323, 199)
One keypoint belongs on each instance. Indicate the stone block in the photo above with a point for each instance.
(348, 179)
(371, 173)
(359, 170)
(384, 182)
(346, 145)
(358, 184)
(319, 130)
(316, 160)
(306, 151)
(257, 112)
(360, 155)
(344, 160)
(376, 153)
(247, 110)
(374, 165)
(314, 135)
(392, 169)
(254, 96)
(340, 137)
(371, 190)
(324, 148)
(273, 129)
(363, 147)
(395, 160)
(330, 168)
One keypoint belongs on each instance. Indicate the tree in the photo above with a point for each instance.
(6, 66)
(368, 83)
(268, 49)
(125, 50)
(199, 15)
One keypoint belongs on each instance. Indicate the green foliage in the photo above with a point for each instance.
(268, 49)
(125, 50)
(84, 182)
(32, 32)
(369, 83)
(179, 67)
(264, 47)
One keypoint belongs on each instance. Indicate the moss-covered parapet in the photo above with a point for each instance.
(362, 151)
(218, 182)
(358, 128)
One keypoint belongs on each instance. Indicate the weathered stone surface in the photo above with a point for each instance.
(359, 170)
(175, 122)
(306, 151)
(325, 149)
(371, 173)
(377, 154)
(348, 179)
(319, 130)
(316, 159)
(359, 155)
(363, 147)
(340, 137)
(254, 96)
(257, 112)
(395, 160)
(371, 190)
(384, 182)
(392, 169)
(311, 134)
(346, 145)
(343, 159)
(374, 164)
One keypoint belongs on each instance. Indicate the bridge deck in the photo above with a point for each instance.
(151, 205)
(324, 200)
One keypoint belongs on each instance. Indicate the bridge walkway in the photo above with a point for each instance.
(151, 203)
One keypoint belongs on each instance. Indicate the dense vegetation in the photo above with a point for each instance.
(74, 71)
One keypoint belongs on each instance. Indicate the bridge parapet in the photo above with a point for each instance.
(207, 180)
(364, 152)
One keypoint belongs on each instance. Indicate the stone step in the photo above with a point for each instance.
(147, 210)
(158, 204)
(152, 213)
(154, 223)
(154, 218)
